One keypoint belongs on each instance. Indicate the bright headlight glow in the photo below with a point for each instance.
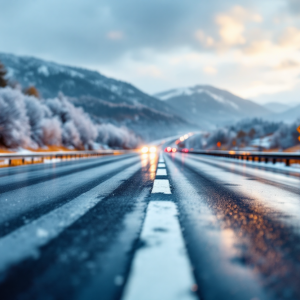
(152, 149)
(145, 149)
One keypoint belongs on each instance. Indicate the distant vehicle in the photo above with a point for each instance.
(185, 150)
(151, 149)
(170, 149)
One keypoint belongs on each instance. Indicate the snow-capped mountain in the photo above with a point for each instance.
(106, 99)
(204, 104)
(50, 78)
(110, 100)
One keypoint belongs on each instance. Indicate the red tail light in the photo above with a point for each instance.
(168, 149)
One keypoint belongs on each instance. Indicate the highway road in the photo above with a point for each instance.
(149, 227)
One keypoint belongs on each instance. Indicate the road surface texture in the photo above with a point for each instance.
(149, 227)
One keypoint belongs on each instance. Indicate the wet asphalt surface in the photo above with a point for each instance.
(240, 224)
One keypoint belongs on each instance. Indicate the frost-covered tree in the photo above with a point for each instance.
(115, 137)
(26, 121)
(241, 134)
(14, 123)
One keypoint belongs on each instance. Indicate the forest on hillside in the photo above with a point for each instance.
(29, 121)
(248, 134)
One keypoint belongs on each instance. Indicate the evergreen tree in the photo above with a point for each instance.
(3, 81)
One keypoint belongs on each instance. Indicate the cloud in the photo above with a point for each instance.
(290, 38)
(258, 47)
(286, 43)
(231, 30)
(232, 25)
(294, 6)
(210, 70)
(205, 40)
(115, 35)
(150, 71)
(160, 44)
(287, 65)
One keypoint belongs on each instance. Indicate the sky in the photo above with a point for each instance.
(251, 48)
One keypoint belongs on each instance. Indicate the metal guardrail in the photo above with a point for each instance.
(253, 156)
(28, 158)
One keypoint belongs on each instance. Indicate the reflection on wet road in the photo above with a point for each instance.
(255, 214)
(149, 226)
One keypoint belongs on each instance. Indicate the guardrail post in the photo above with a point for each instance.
(287, 162)
(266, 160)
(274, 161)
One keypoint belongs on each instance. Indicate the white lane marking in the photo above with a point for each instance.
(161, 165)
(161, 268)
(26, 241)
(161, 159)
(161, 186)
(161, 172)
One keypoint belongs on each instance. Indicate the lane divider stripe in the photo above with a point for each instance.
(161, 165)
(161, 172)
(161, 186)
(161, 268)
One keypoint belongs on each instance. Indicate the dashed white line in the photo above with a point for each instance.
(161, 186)
(161, 268)
(161, 159)
(161, 165)
(161, 172)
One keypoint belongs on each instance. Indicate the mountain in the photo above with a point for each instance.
(106, 99)
(207, 106)
(287, 116)
(276, 107)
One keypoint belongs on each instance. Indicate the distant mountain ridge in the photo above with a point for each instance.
(287, 116)
(204, 103)
(99, 95)
(277, 107)
(50, 77)
(172, 112)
